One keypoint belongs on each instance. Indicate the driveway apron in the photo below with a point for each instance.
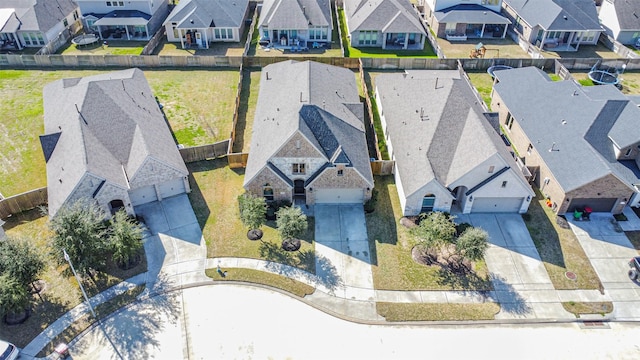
(343, 263)
(609, 252)
(521, 283)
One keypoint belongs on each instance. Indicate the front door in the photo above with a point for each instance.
(298, 188)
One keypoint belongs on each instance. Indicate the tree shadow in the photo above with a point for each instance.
(23, 218)
(511, 302)
(327, 274)
(381, 223)
(544, 234)
(243, 108)
(461, 277)
(196, 198)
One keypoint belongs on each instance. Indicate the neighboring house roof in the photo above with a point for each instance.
(106, 125)
(319, 101)
(393, 16)
(295, 14)
(436, 126)
(572, 127)
(121, 17)
(628, 13)
(558, 15)
(470, 14)
(201, 14)
(35, 15)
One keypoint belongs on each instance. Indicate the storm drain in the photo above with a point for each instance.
(594, 325)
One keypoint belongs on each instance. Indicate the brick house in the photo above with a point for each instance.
(581, 143)
(447, 155)
(107, 140)
(308, 144)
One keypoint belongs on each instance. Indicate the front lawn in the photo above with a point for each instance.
(437, 312)
(559, 248)
(214, 198)
(260, 277)
(393, 267)
(375, 52)
(199, 105)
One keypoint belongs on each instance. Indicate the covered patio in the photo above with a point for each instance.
(471, 21)
(123, 25)
(9, 25)
(405, 41)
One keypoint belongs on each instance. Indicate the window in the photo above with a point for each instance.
(450, 28)
(626, 154)
(428, 202)
(267, 192)
(40, 39)
(529, 148)
(340, 172)
(298, 169)
(27, 39)
(504, 184)
(368, 37)
(115, 3)
(75, 15)
(90, 25)
(509, 121)
(65, 22)
(317, 33)
(108, 3)
(491, 168)
(223, 33)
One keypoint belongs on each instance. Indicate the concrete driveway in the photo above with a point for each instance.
(176, 251)
(343, 262)
(521, 283)
(609, 252)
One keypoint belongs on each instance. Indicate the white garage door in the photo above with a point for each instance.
(496, 205)
(143, 195)
(339, 196)
(171, 188)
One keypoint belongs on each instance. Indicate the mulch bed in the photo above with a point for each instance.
(291, 244)
(254, 234)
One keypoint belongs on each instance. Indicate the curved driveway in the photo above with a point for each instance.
(241, 322)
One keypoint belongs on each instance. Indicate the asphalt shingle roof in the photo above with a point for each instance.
(382, 15)
(295, 14)
(108, 124)
(38, 15)
(209, 13)
(628, 12)
(436, 126)
(470, 14)
(558, 15)
(319, 101)
(570, 126)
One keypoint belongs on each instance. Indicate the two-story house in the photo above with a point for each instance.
(460, 20)
(36, 23)
(308, 144)
(123, 19)
(581, 143)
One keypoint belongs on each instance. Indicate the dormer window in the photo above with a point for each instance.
(340, 172)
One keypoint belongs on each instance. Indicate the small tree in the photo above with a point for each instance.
(253, 210)
(436, 230)
(125, 238)
(20, 260)
(472, 243)
(80, 229)
(14, 297)
(291, 222)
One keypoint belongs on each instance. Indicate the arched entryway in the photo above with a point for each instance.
(267, 192)
(299, 193)
(460, 197)
(115, 205)
(428, 202)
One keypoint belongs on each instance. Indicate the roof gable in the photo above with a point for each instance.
(558, 14)
(295, 14)
(382, 15)
(209, 13)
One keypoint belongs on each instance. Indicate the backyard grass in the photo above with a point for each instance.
(214, 198)
(630, 81)
(483, 82)
(114, 47)
(496, 48)
(200, 112)
(62, 292)
(375, 52)
(437, 312)
(246, 110)
(559, 249)
(393, 267)
(260, 277)
(583, 308)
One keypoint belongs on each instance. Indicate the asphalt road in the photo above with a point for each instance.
(242, 322)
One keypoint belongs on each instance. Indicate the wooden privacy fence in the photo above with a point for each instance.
(367, 100)
(236, 110)
(23, 202)
(204, 152)
(237, 160)
(382, 167)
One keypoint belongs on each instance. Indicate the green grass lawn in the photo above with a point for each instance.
(392, 265)
(581, 308)
(246, 110)
(559, 249)
(62, 291)
(199, 105)
(483, 82)
(260, 277)
(215, 193)
(114, 47)
(375, 52)
(437, 312)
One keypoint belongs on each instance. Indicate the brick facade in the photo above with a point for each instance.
(329, 179)
(153, 172)
(281, 190)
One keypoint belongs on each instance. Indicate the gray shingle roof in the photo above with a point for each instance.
(571, 126)
(209, 13)
(295, 14)
(109, 124)
(437, 128)
(628, 12)
(470, 14)
(315, 100)
(382, 15)
(39, 15)
(558, 15)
